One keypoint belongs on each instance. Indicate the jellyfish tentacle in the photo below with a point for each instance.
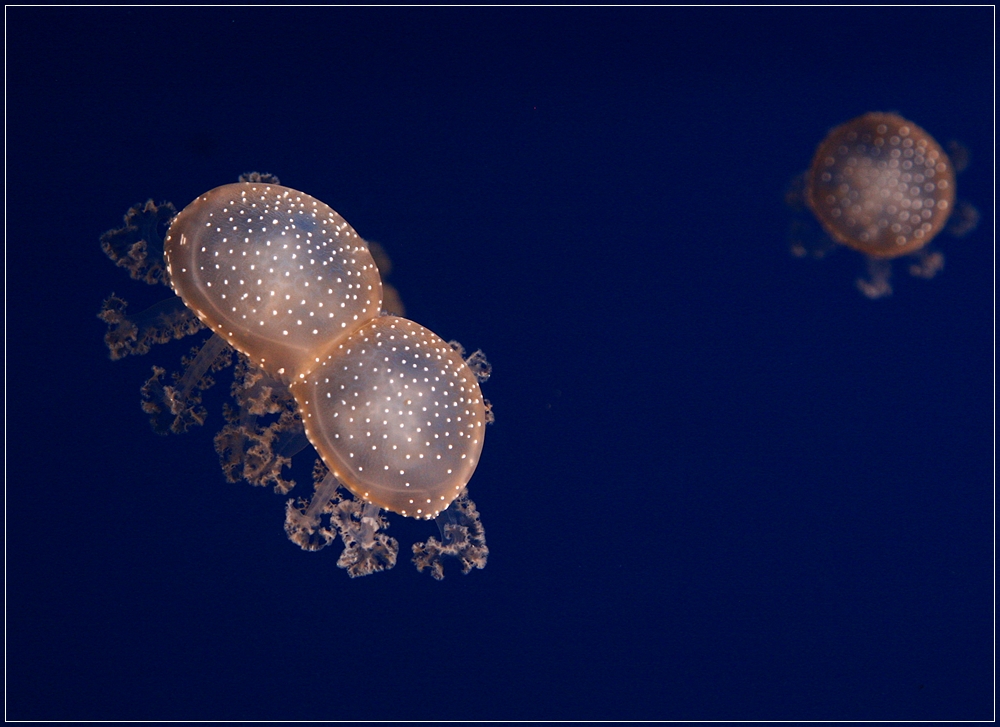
(357, 523)
(182, 400)
(877, 284)
(927, 263)
(136, 334)
(462, 537)
(302, 519)
(254, 451)
(138, 245)
(264, 177)
(478, 365)
(366, 550)
(213, 355)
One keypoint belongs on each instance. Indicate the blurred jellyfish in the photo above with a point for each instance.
(392, 303)
(883, 186)
(395, 413)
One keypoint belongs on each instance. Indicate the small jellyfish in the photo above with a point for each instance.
(883, 186)
(395, 413)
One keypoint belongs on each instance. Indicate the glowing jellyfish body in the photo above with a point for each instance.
(394, 412)
(274, 272)
(881, 185)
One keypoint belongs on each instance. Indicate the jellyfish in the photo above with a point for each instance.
(883, 186)
(286, 285)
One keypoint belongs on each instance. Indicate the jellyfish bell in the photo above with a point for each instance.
(881, 185)
(396, 414)
(273, 271)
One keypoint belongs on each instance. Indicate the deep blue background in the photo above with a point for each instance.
(722, 484)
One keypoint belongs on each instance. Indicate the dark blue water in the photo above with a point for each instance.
(721, 484)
